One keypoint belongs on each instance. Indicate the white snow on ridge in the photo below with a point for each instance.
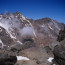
(8, 46)
(42, 25)
(50, 59)
(22, 58)
(19, 42)
(23, 17)
(0, 24)
(50, 27)
(12, 36)
(1, 41)
(6, 27)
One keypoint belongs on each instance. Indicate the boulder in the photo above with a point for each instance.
(61, 35)
(59, 54)
(7, 59)
(18, 47)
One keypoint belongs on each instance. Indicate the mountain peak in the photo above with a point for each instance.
(47, 19)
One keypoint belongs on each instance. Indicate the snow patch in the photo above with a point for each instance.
(42, 25)
(22, 58)
(8, 46)
(50, 59)
(6, 27)
(50, 27)
(23, 17)
(19, 42)
(1, 41)
(12, 36)
(16, 16)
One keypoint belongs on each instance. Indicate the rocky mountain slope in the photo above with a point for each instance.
(19, 27)
(34, 39)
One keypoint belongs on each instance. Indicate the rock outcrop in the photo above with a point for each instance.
(59, 50)
(7, 58)
(59, 54)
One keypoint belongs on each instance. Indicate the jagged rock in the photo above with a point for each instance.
(7, 59)
(53, 44)
(16, 47)
(59, 50)
(61, 35)
(59, 54)
(5, 37)
(27, 44)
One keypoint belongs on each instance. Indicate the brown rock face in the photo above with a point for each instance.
(59, 55)
(44, 30)
(61, 35)
(5, 37)
(7, 58)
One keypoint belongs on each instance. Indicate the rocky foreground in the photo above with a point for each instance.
(26, 41)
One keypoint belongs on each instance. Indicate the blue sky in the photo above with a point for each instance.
(36, 9)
